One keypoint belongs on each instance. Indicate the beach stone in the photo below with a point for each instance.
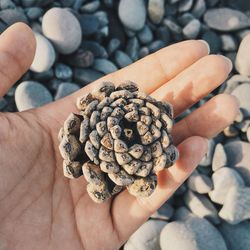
(156, 10)
(236, 236)
(199, 8)
(89, 24)
(223, 179)
(86, 76)
(122, 59)
(165, 212)
(242, 93)
(132, 14)
(236, 206)
(63, 72)
(3, 103)
(102, 18)
(113, 45)
(155, 46)
(213, 40)
(132, 48)
(65, 88)
(63, 29)
(192, 29)
(90, 7)
(145, 36)
(7, 4)
(201, 206)
(228, 42)
(207, 159)
(34, 13)
(193, 234)
(163, 34)
(219, 157)
(11, 16)
(185, 5)
(226, 19)
(200, 183)
(248, 134)
(234, 81)
(45, 55)
(30, 94)
(146, 237)
(105, 66)
(97, 50)
(242, 60)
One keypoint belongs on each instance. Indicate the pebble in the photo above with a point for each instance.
(219, 157)
(156, 45)
(7, 4)
(163, 34)
(213, 40)
(146, 237)
(226, 19)
(185, 5)
(192, 29)
(236, 236)
(236, 205)
(89, 24)
(228, 42)
(34, 13)
(11, 16)
(66, 88)
(248, 134)
(242, 60)
(200, 183)
(63, 72)
(132, 14)
(105, 66)
(63, 29)
(242, 93)
(86, 76)
(223, 179)
(239, 158)
(45, 55)
(207, 159)
(113, 45)
(234, 81)
(90, 7)
(193, 234)
(122, 59)
(145, 36)
(3, 103)
(97, 50)
(30, 94)
(102, 18)
(199, 8)
(165, 212)
(201, 206)
(132, 48)
(156, 10)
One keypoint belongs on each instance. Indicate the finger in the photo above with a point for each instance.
(130, 212)
(208, 120)
(149, 72)
(17, 49)
(195, 82)
(154, 70)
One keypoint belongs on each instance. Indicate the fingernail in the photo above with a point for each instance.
(207, 45)
(229, 63)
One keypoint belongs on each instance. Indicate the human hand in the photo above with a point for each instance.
(39, 207)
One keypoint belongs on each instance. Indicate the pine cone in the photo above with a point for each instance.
(120, 138)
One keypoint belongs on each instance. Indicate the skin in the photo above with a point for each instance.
(39, 207)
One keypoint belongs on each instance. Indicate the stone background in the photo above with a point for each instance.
(80, 41)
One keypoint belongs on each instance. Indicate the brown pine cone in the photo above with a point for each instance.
(120, 138)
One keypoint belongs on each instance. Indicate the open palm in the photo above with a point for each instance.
(39, 207)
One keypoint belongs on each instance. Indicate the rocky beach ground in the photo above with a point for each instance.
(79, 41)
